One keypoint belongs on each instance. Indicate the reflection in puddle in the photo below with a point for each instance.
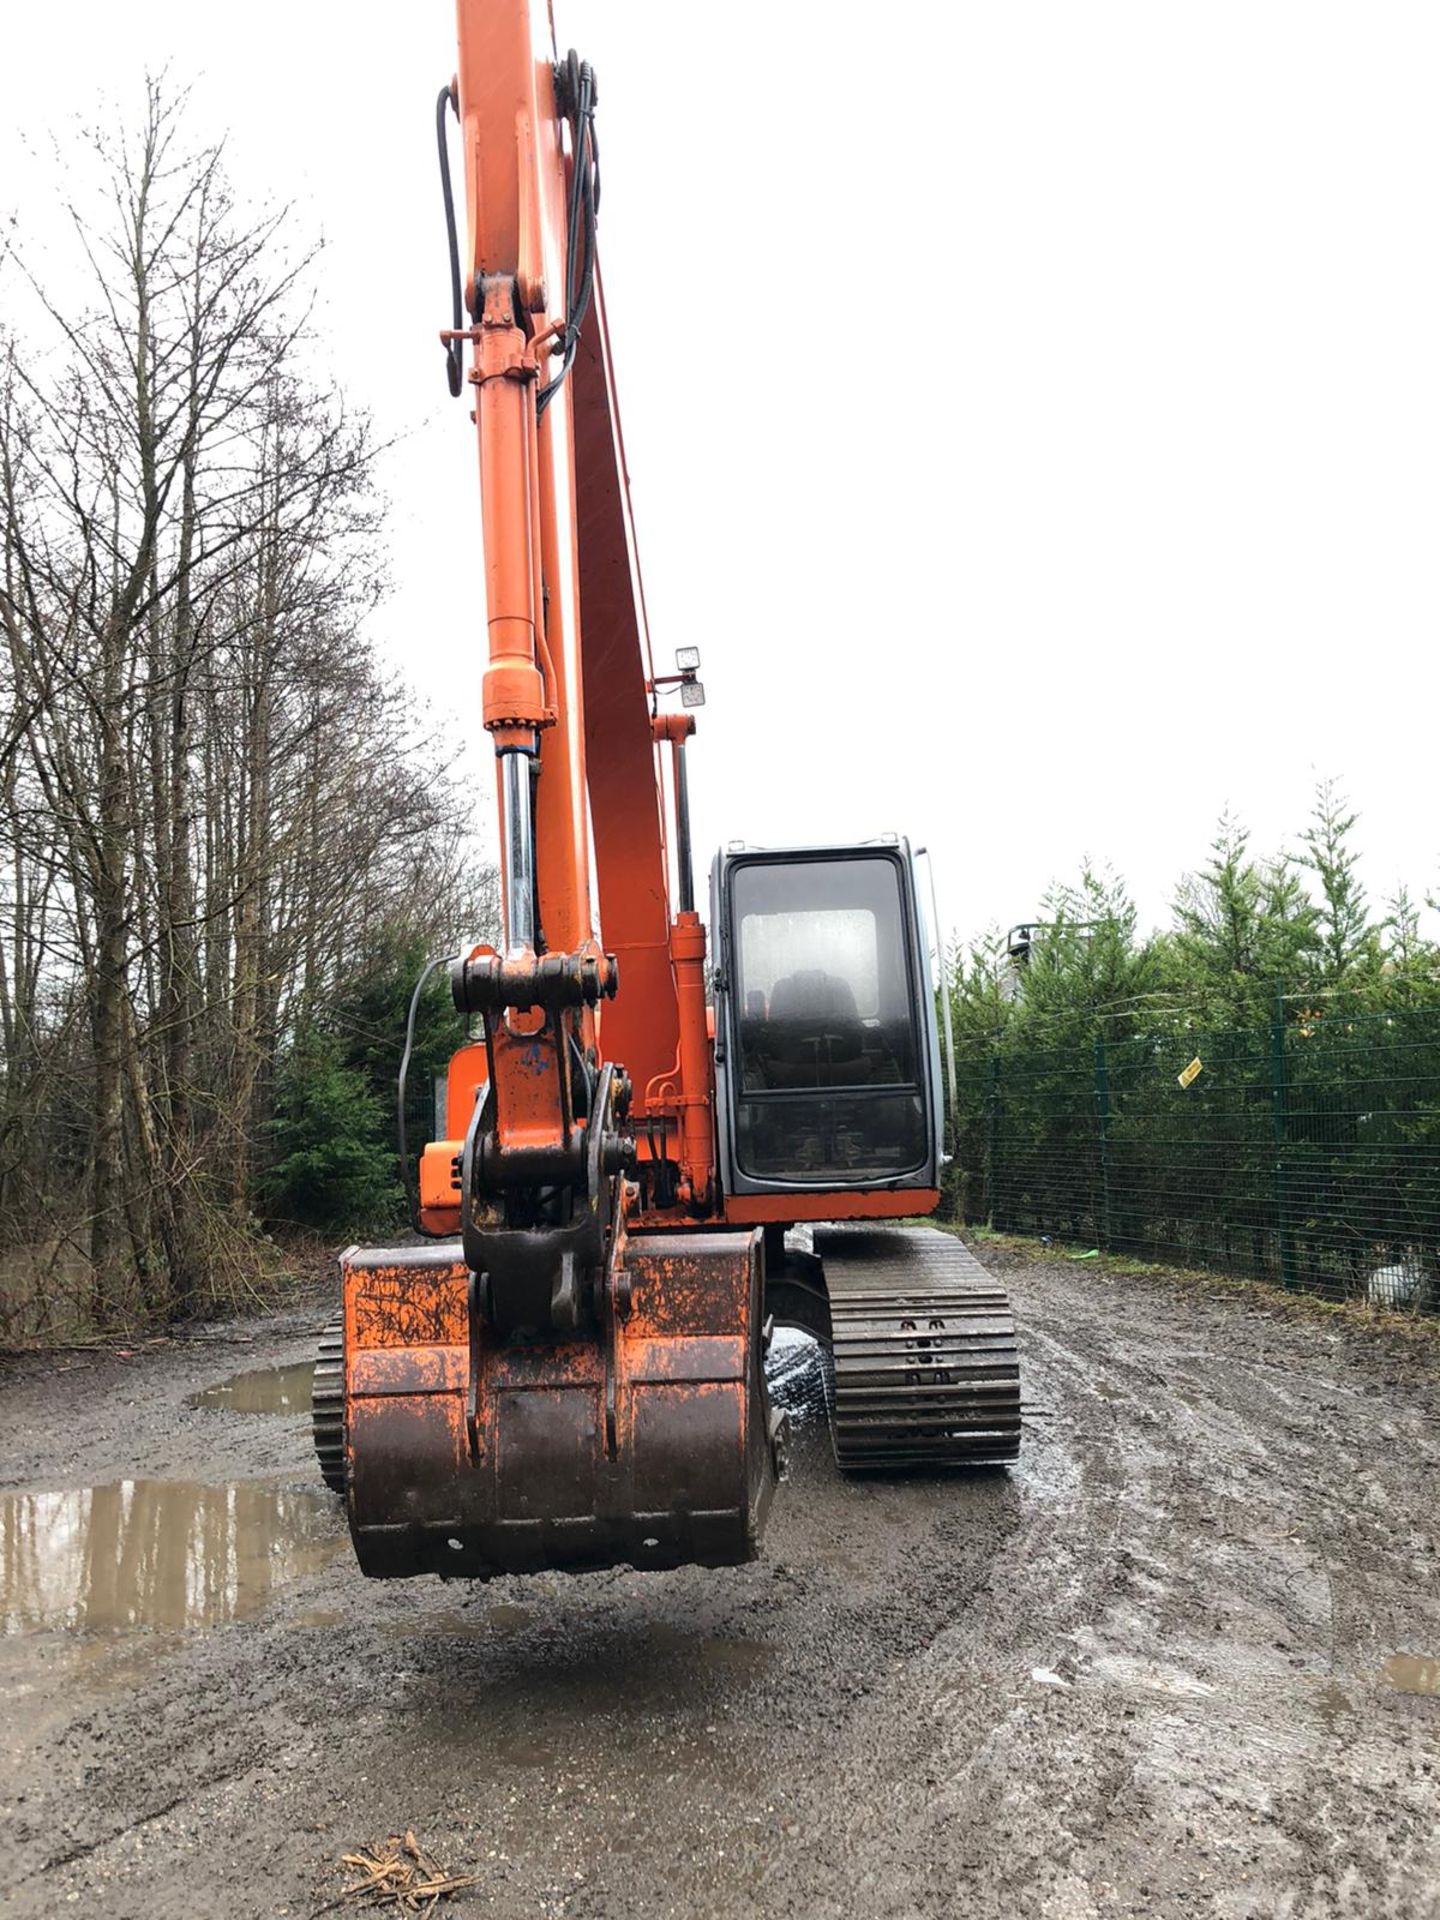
(502, 1620)
(155, 1553)
(262, 1390)
(795, 1374)
(1413, 1673)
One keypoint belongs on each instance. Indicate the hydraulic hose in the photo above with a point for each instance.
(577, 79)
(454, 363)
(412, 1186)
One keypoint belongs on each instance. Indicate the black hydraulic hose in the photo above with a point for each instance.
(579, 240)
(586, 1078)
(584, 204)
(412, 1187)
(579, 175)
(454, 362)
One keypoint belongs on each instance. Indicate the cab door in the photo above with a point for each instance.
(826, 1060)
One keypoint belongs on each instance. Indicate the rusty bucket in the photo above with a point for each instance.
(647, 1440)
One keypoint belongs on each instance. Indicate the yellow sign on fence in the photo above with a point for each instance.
(1188, 1075)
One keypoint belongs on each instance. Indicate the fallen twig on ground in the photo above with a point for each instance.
(401, 1872)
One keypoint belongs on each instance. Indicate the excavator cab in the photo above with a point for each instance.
(826, 1057)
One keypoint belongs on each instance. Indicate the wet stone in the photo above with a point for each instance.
(155, 1553)
(261, 1390)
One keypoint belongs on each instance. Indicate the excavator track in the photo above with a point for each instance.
(327, 1406)
(926, 1370)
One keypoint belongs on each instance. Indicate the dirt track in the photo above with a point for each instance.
(1147, 1673)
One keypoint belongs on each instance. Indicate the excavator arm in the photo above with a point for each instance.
(554, 1388)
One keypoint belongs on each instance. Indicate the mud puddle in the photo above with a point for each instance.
(261, 1390)
(711, 1653)
(155, 1553)
(505, 1618)
(1413, 1673)
(463, 1621)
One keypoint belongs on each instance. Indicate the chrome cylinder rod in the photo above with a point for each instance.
(519, 828)
(684, 860)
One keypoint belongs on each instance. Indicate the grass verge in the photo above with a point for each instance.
(1258, 1295)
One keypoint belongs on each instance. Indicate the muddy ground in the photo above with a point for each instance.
(1161, 1669)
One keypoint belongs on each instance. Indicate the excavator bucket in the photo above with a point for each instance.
(647, 1441)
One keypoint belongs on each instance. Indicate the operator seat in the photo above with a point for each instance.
(814, 1036)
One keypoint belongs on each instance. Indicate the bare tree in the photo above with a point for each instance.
(208, 790)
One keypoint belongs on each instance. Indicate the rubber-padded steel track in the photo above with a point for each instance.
(926, 1368)
(327, 1406)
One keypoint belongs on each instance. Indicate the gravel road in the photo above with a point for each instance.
(1181, 1662)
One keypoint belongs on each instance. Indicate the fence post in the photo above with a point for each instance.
(994, 1160)
(1102, 1111)
(1280, 1116)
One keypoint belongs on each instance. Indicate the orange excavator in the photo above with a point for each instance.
(566, 1370)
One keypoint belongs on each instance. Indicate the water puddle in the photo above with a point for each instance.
(476, 1623)
(712, 1653)
(1334, 1704)
(733, 1656)
(319, 1618)
(1412, 1673)
(505, 1618)
(155, 1553)
(261, 1390)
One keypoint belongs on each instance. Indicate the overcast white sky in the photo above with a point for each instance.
(1033, 410)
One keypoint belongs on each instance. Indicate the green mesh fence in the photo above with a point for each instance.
(1306, 1152)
